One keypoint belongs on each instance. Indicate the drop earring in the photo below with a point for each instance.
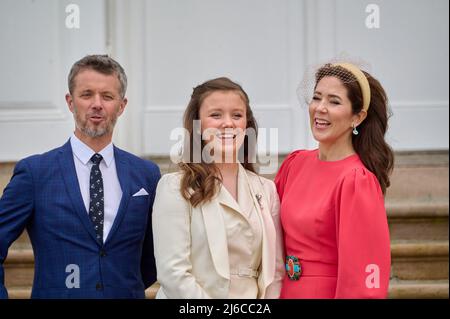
(355, 131)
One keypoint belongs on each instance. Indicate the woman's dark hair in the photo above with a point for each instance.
(370, 143)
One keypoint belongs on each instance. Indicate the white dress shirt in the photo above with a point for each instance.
(112, 190)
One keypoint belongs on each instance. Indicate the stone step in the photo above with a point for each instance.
(19, 268)
(6, 171)
(419, 176)
(419, 260)
(419, 289)
(23, 242)
(418, 220)
(19, 293)
(425, 183)
(417, 209)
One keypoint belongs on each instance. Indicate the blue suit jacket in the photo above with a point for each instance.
(44, 197)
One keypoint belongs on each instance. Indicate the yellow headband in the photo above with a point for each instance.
(362, 81)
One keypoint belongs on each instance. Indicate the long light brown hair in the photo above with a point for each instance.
(370, 143)
(200, 181)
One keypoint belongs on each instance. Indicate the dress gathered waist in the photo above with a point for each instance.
(317, 268)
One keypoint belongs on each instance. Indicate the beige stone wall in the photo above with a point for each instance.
(6, 170)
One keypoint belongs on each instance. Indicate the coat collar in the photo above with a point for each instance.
(84, 153)
(244, 201)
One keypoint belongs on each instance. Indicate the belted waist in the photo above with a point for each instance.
(296, 268)
(244, 272)
(317, 268)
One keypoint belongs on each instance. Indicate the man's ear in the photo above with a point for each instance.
(123, 104)
(69, 101)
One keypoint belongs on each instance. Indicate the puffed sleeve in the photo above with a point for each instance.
(283, 172)
(172, 241)
(364, 257)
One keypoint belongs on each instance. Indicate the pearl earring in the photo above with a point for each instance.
(355, 131)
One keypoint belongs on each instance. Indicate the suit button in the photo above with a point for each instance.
(102, 253)
(99, 286)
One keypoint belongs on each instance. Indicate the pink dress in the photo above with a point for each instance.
(335, 223)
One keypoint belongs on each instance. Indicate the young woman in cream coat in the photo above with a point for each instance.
(216, 223)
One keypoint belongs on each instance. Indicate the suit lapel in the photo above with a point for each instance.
(69, 174)
(245, 203)
(216, 234)
(123, 173)
(225, 198)
(269, 235)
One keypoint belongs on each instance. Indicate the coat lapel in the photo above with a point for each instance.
(245, 202)
(269, 235)
(225, 198)
(123, 173)
(69, 174)
(216, 234)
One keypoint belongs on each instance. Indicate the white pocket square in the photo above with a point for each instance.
(142, 192)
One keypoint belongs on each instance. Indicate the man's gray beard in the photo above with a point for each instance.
(96, 132)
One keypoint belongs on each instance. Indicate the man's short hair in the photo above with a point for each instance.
(102, 64)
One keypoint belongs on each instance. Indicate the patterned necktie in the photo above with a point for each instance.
(96, 203)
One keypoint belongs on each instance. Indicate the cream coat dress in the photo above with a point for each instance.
(220, 249)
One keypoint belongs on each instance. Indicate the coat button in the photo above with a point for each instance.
(102, 253)
(99, 286)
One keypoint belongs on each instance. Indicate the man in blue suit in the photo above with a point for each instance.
(86, 205)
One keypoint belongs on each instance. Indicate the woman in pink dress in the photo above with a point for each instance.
(332, 199)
